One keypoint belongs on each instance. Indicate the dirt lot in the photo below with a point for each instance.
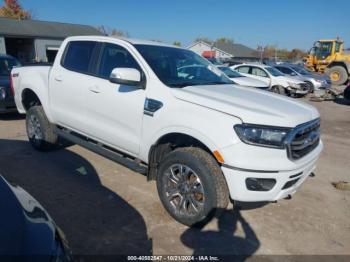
(105, 208)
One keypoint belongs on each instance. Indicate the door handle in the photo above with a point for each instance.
(95, 89)
(58, 78)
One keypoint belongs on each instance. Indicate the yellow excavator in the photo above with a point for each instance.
(328, 56)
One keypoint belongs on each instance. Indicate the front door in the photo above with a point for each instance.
(114, 112)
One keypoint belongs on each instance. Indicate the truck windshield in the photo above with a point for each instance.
(177, 67)
(6, 65)
(323, 49)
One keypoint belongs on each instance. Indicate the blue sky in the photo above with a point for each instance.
(287, 24)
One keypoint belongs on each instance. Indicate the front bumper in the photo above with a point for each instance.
(322, 85)
(298, 91)
(296, 176)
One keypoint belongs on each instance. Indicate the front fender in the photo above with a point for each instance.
(212, 128)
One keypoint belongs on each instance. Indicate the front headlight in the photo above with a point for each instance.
(2, 93)
(267, 136)
(291, 84)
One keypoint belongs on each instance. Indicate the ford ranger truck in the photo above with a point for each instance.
(202, 139)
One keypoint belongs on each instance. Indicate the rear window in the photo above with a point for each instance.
(78, 56)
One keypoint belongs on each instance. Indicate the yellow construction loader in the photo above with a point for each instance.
(328, 56)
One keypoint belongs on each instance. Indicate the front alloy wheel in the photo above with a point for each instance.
(191, 185)
(184, 190)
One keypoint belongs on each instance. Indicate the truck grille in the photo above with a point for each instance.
(303, 139)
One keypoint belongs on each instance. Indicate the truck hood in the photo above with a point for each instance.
(250, 105)
(248, 81)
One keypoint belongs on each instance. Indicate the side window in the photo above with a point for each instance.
(114, 56)
(78, 56)
(258, 72)
(285, 70)
(243, 69)
(337, 47)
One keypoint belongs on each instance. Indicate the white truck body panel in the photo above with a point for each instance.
(114, 115)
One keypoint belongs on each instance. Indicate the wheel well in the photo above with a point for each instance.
(168, 143)
(29, 99)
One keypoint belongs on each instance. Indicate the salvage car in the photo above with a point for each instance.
(313, 80)
(239, 79)
(27, 230)
(7, 103)
(202, 138)
(277, 81)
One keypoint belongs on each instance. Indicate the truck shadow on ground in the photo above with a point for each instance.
(224, 243)
(11, 116)
(94, 218)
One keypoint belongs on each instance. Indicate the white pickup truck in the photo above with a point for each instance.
(203, 139)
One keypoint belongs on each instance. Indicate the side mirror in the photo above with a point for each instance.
(293, 74)
(126, 76)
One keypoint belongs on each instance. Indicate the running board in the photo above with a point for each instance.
(102, 150)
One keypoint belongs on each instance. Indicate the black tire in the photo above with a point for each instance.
(310, 86)
(40, 131)
(279, 90)
(215, 196)
(343, 74)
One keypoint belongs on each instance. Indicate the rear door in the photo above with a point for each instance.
(114, 112)
(68, 80)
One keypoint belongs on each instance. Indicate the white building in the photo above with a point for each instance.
(224, 51)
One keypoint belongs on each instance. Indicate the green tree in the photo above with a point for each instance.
(13, 9)
(224, 40)
(177, 43)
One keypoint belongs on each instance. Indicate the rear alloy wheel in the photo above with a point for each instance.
(40, 131)
(191, 186)
(337, 74)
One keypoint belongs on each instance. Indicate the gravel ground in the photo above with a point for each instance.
(105, 208)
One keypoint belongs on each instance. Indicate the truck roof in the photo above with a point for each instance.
(129, 40)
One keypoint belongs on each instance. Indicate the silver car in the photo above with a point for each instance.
(314, 81)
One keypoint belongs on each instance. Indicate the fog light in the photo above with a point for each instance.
(2, 93)
(260, 184)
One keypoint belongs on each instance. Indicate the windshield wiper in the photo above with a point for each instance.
(181, 85)
(217, 83)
